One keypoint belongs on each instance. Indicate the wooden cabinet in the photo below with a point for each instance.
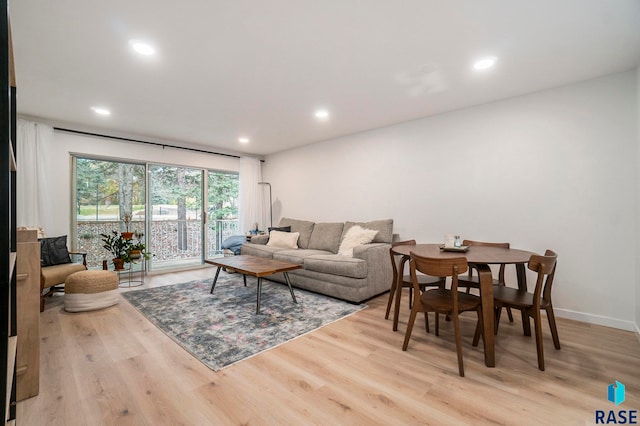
(28, 315)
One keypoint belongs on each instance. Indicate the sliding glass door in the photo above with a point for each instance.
(179, 225)
(222, 210)
(106, 191)
(175, 216)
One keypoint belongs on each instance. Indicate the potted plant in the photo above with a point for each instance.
(119, 248)
(127, 221)
(137, 250)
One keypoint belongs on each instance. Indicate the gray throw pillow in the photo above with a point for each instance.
(304, 227)
(326, 236)
(53, 251)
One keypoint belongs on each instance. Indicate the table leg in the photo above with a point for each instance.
(486, 295)
(521, 273)
(286, 278)
(396, 310)
(215, 279)
(244, 278)
(259, 290)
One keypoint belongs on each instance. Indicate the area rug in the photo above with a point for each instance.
(222, 328)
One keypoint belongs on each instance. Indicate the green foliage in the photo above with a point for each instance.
(223, 195)
(100, 183)
(121, 248)
(116, 245)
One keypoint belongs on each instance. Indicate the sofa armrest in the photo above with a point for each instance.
(379, 272)
(374, 251)
(260, 239)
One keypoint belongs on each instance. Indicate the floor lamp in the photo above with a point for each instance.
(270, 203)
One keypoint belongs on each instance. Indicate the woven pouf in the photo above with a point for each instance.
(89, 290)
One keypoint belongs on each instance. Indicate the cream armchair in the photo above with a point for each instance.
(55, 263)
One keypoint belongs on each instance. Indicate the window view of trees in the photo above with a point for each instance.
(106, 191)
(222, 213)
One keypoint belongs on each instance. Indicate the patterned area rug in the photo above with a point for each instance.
(222, 328)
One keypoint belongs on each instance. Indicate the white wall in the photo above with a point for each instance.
(59, 165)
(554, 169)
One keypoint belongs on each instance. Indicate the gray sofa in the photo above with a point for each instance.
(355, 279)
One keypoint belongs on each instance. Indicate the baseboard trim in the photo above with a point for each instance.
(598, 320)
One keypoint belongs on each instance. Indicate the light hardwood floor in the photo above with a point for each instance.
(113, 367)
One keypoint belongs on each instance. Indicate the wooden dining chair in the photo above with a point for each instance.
(532, 303)
(443, 301)
(424, 281)
(473, 281)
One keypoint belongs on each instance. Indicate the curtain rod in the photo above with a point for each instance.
(163, 145)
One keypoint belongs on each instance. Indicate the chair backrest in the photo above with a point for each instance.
(439, 267)
(486, 244)
(545, 267)
(483, 243)
(442, 267)
(394, 256)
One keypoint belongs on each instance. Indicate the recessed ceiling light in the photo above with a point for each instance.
(484, 63)
(243, 140)
(322, 114)
(100, 110)
(141, 47)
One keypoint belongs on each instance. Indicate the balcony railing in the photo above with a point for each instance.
(170, 240)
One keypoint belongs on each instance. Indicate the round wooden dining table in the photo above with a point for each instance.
(478, 257)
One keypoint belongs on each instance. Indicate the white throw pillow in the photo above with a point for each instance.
(356, 236)
(283, 239)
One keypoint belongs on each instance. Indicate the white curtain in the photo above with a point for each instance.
(33, 204)
(250, 194)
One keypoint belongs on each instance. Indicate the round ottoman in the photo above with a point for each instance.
(89, 290)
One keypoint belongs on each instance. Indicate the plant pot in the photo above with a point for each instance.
(127, 235)
(135, 254)
(118, 264)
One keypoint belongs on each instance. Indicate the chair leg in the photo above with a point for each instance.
(407, 334)
(552, 325)
(391, 294)
(437, 324)
(509, 314)
(426, 322)
(497, 314)
(537, 321)
(410, 297)
(478, 333)
(456, 327)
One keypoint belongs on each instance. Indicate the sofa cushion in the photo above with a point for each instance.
(326, 236)
(384, 228)
(57, 274)
(356, 236)
(302, 226)
(336, 265)
(297, 256)
(283, 239)
(260, 250)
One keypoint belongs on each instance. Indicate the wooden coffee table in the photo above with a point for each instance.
(256, 267)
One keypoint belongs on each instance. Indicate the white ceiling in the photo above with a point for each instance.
(260, 68)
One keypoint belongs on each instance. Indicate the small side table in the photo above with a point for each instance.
(131, 276)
